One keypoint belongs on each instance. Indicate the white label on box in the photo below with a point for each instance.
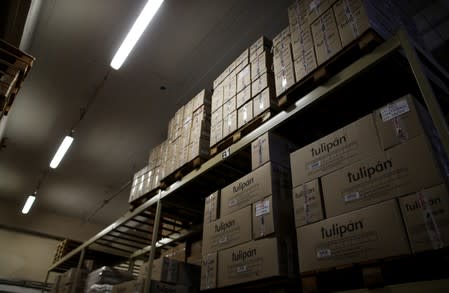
(352, 196)
(393, 110)
(314, 165)
(241, 269)
(323, 253)
(232, 202)
(223, 240)
(262, 208)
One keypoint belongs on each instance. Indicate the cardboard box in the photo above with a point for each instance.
(262, 44)
(261, 64)
(244, 96)
(229, 124)
(298, 15)
(326, 37)
(371, 233)
(217, 116)
(426, 216)
(217, 98)
(209, 268)
(211, 207)
(129, 287)
(284, 34)
(229, 88)
(245, 114)
(179, 252)
(195, 249)
(203, 98)
(269, 179)
(263, 223)
(336, 150)
(282, 55)
(406, 168)
(164, 270)
(301, 41)
(284, 79)
(216, 133)
(69, 276)
(316, 8)
(270, 147)
(264, 81)
(229, 230)
(401, 120)
(244, 78)
(305, 61)
(263, 101)
(251, 261)
(308, 203)
(229, 106)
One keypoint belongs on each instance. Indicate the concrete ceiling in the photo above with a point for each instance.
(185, 47)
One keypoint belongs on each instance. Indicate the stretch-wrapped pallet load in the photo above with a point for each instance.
(243, 91)
(188, 134)
(383, 163)
(247, 228)
(284, 73)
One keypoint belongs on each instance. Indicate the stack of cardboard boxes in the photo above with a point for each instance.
(248, 224)
(346, 185)
(188, 133)
(243, 91)
(319, 29)
(65, 283)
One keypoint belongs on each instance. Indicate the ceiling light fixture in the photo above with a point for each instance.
(136, 32)
(29, 203)
(61, 151)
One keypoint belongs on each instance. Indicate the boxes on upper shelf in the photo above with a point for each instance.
(243, 78)
(353, 237)
(426, 216)
(326, 37)
(403, 169)
(316, 8)
(229, 124)
(261, 64)
(264, 101)
(261, 83)
(262, 44)
(283, 62)
(245, 114)
(243, 96)
(217, 98)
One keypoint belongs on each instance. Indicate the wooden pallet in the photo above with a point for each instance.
(378, 273)
(359, 47)
(239, 133)
(179, 173)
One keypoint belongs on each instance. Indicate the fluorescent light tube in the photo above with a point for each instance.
(61, 152)
(136, 32)
(28, 204)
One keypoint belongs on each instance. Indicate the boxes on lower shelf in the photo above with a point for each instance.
(353, 237)
(168, 270)
(138, 286)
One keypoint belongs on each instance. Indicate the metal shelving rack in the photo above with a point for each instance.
(175, 214)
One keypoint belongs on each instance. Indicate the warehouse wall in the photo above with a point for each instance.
(24, 256)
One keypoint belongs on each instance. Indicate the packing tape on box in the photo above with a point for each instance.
(315, 7)
(429, 220)
(261, 104)
(400, 131)
(306, 204)
(260, 152)
(351, 19)
(262, 208)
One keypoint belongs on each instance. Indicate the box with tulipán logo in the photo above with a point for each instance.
(374, 232)
(334, 151)
(403, 169)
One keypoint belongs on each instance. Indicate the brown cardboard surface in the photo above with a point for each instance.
(251, 261)
(216, 133)
(203, 98)
(285, 33)
(336, 150)
(352, 19)
(270, 147)
(264, 81)
(227, 231)
(284, 79)
(309, 208)
(282, 55)
(316, 8)
(209, 268)
(258, 47)
(399, 121)
(245, 114)
(264, 101)
(305, 63)
(269, 179)
(263, 223)
(164, 270)
(217, 98)
(261, 64)
(211, 207)
(229, 87)
(244, 78)
(229, 124)
(370, 233)
(298, 15)
(244, 96)
(229, 106)
(406, 168)
(217, 116)
(325, 37)
(426, 216)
